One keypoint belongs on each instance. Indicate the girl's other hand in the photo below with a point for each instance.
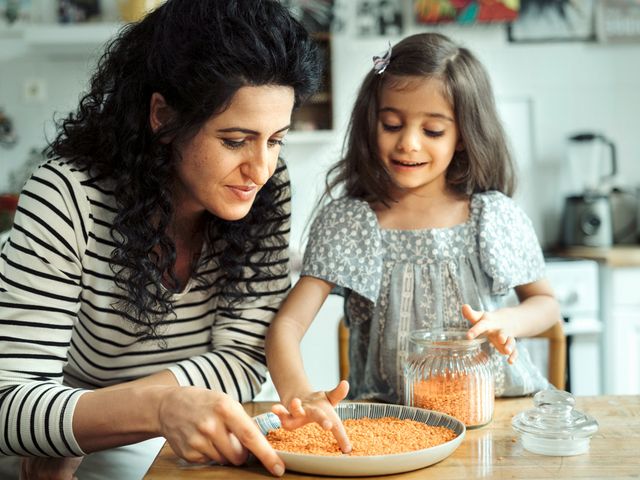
(486, 323)
(317, 407)
(202, 425)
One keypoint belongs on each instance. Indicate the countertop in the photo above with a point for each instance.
(616, 256)
(493, 451)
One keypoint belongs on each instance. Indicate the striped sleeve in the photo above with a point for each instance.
(40, 284)
(236, 362)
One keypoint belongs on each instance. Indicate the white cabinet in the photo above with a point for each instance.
(621, 316)
(575, 284)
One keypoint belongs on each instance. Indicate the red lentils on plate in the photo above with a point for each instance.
(369, 436)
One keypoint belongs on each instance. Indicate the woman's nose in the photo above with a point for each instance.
(258, 168)
(409, 141)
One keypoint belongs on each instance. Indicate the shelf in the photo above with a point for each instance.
(84, 40)
(63, 35)
(66, 39)
(320, 97)
(316, 114)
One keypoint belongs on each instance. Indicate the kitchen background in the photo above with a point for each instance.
(558, 69)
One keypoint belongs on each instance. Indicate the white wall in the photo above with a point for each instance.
(63, 78)
(570, 87)
(561, 87)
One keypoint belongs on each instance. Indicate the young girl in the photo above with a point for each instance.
(422, 235)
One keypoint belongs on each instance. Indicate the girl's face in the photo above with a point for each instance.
(417, 135)
(222, 168)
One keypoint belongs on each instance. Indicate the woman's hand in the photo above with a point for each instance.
(486, 323)
(201, 425)
(40, 468)
(317, 407)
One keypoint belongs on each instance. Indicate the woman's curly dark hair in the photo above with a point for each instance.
(196, 54)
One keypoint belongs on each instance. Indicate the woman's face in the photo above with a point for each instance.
(222, 168)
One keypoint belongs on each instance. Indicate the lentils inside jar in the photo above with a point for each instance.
(448, 373)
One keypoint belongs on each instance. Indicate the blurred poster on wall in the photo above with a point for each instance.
(76, 11)
(315, 15)
(14, 10)
(561, 20)
(465, 11)
(378, 17)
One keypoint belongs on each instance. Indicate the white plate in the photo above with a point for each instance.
(360, 466)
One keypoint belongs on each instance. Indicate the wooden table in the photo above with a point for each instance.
(493, 451)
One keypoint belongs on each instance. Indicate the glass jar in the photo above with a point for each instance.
(449, 373)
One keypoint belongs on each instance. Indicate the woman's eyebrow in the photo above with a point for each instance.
(248, 131)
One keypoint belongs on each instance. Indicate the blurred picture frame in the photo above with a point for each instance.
(618, 21)
(465, 11)
(315, 15)
(12, 11)
(379, 18)
(78, 11)
(554, 21)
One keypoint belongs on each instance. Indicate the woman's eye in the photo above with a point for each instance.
(433, 133)
(275, 142)
(232, 143)
(391, 128)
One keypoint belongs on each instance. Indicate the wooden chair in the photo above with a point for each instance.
(557, 353)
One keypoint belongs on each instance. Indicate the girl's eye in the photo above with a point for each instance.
(433, 133)
(391, 128)
(233, 144)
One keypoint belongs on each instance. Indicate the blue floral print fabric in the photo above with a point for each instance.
(396, 281)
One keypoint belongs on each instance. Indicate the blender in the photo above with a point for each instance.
(587, 217)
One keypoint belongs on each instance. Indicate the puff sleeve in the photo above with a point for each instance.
(344, 247)
(510, 253)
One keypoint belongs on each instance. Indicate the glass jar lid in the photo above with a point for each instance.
(554, 426)
(444, 338)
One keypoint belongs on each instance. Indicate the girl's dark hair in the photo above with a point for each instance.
(196, 54)
(484, 164)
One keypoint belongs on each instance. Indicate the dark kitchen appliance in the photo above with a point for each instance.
(625, 208)
(587, 218)
(588, 221)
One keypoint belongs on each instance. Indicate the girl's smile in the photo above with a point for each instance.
(406, 164)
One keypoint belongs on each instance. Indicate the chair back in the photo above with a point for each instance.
(557, 353)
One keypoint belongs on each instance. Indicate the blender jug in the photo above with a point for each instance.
(587, 218)
(592, 163)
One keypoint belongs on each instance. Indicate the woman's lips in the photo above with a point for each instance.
(243, 192)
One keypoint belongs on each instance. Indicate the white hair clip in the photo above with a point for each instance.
(380, 64)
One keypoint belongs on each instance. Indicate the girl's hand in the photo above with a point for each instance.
(486, 323)
(41, 468)
(201, 425)
(317, 407)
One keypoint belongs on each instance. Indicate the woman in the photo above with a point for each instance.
(149, 254)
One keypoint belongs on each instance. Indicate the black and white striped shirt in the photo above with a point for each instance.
(60, 334)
